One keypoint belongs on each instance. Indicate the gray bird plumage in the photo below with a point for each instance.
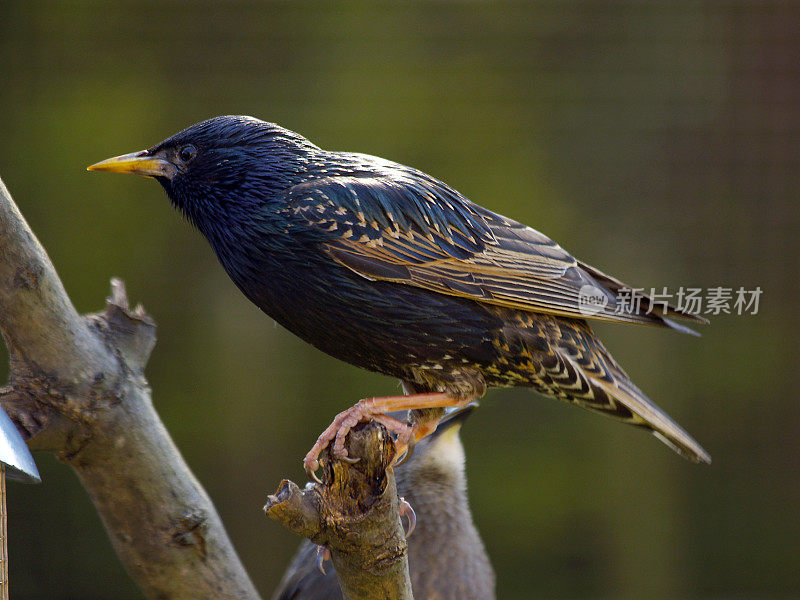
(447, 559)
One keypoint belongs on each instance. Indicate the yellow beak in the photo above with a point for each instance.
(137, 163)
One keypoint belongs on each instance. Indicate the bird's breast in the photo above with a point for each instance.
(386, 327)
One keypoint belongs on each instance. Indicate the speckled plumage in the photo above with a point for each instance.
(389, 269)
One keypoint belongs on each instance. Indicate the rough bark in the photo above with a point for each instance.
(77, 389)
(355, 515)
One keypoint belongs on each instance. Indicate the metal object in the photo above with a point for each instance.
(14, 453)
(16, 463)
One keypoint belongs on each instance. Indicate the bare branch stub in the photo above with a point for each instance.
(356, 515)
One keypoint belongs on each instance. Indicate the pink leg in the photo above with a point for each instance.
(376, 408)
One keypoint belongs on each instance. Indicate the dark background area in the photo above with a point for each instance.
(657, 142)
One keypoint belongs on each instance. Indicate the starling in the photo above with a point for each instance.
(447, 559)
(389, 269)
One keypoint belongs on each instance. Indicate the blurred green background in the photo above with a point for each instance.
(657, 142)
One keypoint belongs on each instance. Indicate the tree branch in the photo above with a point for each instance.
(38, 320)
(355, 515)
(77, 389)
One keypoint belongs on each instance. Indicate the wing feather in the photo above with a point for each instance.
(406, 227)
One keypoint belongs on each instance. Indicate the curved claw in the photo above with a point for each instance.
(348, 460)
(406, 510)
(408, 453)
(311, 471)
(323, 554)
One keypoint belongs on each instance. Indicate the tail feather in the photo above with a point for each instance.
(656, 420)
(576, 367)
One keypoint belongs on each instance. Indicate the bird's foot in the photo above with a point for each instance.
(337, 432)
(407, 511)
(376, 408)
(323, 554)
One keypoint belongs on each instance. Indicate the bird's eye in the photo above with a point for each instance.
(187, 153)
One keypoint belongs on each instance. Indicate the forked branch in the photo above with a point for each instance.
(77, 389)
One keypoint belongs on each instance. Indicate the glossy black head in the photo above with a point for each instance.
(222, 166)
